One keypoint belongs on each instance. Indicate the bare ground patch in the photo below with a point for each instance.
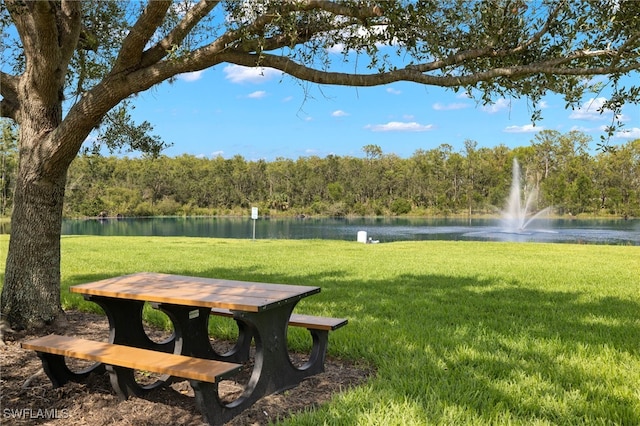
(94, 402)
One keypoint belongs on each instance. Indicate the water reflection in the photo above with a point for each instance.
(616, 232)
(582, 231)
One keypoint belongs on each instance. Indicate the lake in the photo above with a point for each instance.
(583, 231)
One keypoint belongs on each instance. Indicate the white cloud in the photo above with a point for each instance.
(287, 99)
(623, 118)
(527, 128)
(633, 133)
(449, 107)
(240, 74)
(215, 154)
(258, 94)
(497, 106)
(397, 126)
(393, 91)
(336, 48)
(339, 113)
(589, 110)
(191, 76)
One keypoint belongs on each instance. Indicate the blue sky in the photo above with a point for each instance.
(261, 114)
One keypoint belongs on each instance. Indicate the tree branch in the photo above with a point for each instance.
(37, 26)
(44, 34)
(7, 109)
(232, 39)
(9, 86)
(410, 74)
(491, 52)
(302, 34)
(545, 29)
(9, 105)
(33, 27)
(140, 34)
(341, 10)
(71, 26)
(178, 34)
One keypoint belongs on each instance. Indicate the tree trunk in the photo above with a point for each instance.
(31, 291)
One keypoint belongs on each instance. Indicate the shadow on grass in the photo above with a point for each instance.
(487, 347)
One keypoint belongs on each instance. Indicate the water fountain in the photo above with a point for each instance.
(517, 216)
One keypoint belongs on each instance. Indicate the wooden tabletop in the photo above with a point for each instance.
(196, 291)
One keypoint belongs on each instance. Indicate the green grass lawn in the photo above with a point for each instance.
(461, 333)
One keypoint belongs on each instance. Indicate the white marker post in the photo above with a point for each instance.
(254, 217)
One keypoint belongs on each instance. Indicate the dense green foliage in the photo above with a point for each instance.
(430, 182)
(438, 181)
(459, 333)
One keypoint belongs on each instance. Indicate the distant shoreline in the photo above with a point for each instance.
(6, 219)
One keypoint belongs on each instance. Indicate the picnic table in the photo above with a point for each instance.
(263, 311)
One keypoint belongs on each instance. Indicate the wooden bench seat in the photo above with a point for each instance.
(318, 327)
(299, 320)
(53, 348)
(139, 359)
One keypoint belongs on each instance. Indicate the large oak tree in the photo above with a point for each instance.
(71, 67)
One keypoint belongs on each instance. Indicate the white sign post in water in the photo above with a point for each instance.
(254, 217)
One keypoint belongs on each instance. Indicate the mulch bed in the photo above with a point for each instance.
(94, 402)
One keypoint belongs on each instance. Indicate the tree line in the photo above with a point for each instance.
(439, 181)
